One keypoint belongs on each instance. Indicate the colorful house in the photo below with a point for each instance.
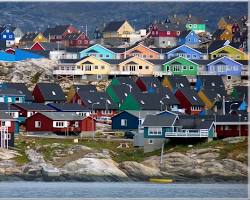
(7, 130)
(224, 66)
(142, 52)
(92, 68)
(32, 37)
(186, 52)
(136, 66)
(189, 100)
(226, 22)
(117, 30)
(189, 38)
(11, 96)
(100, 104)
(59, 32)
(98, 51)
(164, 35)
(222, 34)
(229, 51)
(48, 93)
(7, 35)
(79, 40)
(181, 66)
(59, 122)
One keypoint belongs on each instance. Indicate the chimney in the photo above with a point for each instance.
(175, 16)
(189, 16)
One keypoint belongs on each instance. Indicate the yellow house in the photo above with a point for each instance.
(117, 29)
(136, 66)
(226, 22)
(32, 37)
(229, 51)
(92, 65)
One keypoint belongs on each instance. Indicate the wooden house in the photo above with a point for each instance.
(98, 51)
(7, 130)
(189, 38)
(222, 34)
(32, 37)
(59, 32)
(189, 100)
(79, 40)
(7, 35)
(48, 93)
(59, 122)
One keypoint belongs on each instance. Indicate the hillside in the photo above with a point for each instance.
(37, 16)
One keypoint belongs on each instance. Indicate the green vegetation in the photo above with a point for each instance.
(49, 150)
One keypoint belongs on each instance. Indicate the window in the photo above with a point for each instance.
(3, 123)
(184, 67)
(151, 56)
(99, 76)
(10, 36)
(150, 141)
(237, 56)
(76, 124)
(191, 67)
(140, 67)
(124, 122)
(9, 99)
(1, 99)
(88, 68)
(154, 131)
(101, 55)
(96, 67)
(168, 32)
(37, 124)
(147, 67)
(17, 99)
(4, 36)
(107, 56)
(58, 124)
(102, 67)
(189, 39)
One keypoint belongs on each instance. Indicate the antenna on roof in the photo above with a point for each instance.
(86, 30)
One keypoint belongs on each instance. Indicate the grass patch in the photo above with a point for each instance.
(36, 77)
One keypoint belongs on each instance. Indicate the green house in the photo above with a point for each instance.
(197, 28)
(181, 66)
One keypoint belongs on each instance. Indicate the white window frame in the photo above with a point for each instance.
(38, 124)
(154, 131)
(124, 122)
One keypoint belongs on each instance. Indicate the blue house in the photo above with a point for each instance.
(189, 38)
(11, 96)
(98, 51)
(224, 66)
(7, 35)
(186, 52)
(129, 120)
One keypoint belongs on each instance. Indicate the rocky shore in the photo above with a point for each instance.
(203, 165)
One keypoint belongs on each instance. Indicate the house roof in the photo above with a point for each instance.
(191, 96)
(178, 81)
(74, 49)
(151, 82)
(89, 88)
(211, 81)
(191, 122)
(118, 50)
(113, 26)
(184, 33)
(73, 36)
(22, 87)
(73, 61)
(122, 91)
(29, 36)
(105, 101)
(159, 121)
(216, 44)
(57, 30)
(71, 116)
(34, 106)
(142, 113)
(11, 92)
(7, 106)
(218, 33)
(51, 91)
(73, 107)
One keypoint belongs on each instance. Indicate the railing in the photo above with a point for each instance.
(68, 72)
(4, 137)
(187, 133)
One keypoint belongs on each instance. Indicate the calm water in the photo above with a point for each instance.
(119, 190)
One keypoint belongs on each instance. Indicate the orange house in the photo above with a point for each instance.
(142, 52)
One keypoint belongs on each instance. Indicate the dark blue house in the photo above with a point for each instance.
(7, 35)
(189, 38)
(125, 121)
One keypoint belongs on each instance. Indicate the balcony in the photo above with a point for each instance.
(188, 134)
(68, 72)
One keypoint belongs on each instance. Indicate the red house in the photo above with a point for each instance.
(79, 40)
(59, 32)
(59, 122)
(163, 30)
(44, 46)
(99, 103)
(7, 130)
(189, 100)
(231, 125)
(48, 93)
